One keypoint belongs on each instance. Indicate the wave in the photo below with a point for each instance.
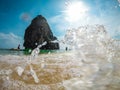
(92, 63)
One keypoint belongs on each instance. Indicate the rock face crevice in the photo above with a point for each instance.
(38, 32)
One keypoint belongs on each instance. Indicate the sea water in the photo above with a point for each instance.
(92, 62)
(11, 52)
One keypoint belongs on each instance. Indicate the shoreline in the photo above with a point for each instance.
(58, 71)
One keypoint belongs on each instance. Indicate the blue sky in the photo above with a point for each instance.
(16, 15)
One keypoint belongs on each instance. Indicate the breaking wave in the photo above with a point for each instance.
(92, 62)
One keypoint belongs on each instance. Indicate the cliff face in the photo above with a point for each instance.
(38, 32)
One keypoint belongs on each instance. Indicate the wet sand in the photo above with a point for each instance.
(60, 71)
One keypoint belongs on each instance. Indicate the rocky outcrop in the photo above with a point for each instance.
(38, 32)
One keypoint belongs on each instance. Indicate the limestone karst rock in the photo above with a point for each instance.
(38, 32)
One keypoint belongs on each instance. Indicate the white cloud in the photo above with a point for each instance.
(55, 19)
(10, 40)
(59, 23)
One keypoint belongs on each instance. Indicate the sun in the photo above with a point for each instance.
(75, 11)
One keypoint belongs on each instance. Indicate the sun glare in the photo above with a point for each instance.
(75, 11)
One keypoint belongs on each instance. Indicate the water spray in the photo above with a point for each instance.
(33, 55)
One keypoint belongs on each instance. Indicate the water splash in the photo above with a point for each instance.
(33, 55)
(34, 75)
(92, 43)
(19, 70)
(88, 40)
(92, 57)
(36, 51)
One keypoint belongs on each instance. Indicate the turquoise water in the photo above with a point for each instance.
(22, 52)
(10, 52)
